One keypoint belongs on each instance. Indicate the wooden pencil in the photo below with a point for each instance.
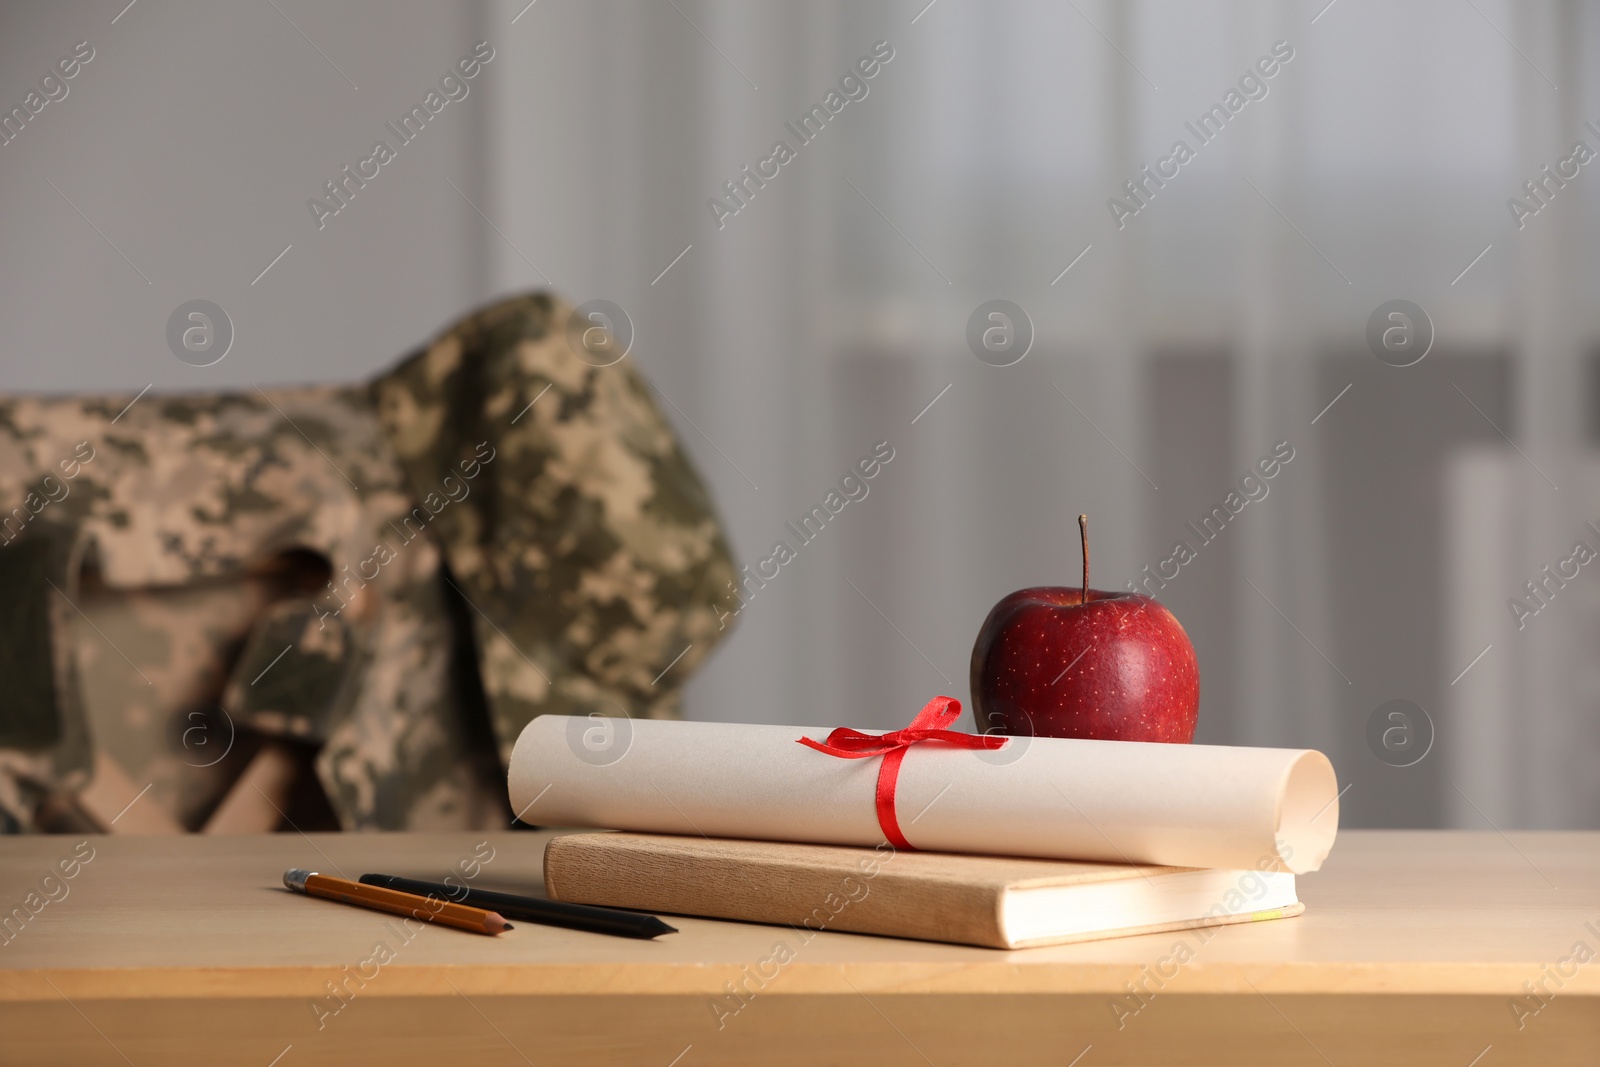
(424, 909)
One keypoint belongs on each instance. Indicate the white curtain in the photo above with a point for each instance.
(1219, 320)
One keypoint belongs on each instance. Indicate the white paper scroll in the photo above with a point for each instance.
(1114, 801)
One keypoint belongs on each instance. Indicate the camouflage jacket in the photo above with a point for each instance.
(391, 579)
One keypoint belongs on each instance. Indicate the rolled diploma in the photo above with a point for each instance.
(1054, 798)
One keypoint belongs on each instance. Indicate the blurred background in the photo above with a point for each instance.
(1177, 339)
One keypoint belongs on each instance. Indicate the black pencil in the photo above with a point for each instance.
(532, 909)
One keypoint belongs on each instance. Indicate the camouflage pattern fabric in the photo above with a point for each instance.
(497, 529)
(157, 722)
(587, 549)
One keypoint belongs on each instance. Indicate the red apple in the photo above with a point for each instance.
(1058, 662)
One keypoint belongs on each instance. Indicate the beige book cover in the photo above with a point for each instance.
(993, 901)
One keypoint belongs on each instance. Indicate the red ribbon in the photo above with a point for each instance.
(929, 725)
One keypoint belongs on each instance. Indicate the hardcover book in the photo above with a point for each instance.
(992, 901)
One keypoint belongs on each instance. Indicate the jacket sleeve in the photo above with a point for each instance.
(581, 540)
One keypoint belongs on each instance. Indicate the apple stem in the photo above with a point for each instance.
(1083, 539)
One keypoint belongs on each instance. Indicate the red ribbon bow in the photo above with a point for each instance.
(929, 725)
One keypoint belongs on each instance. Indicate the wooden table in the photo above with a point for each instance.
(1416, 948)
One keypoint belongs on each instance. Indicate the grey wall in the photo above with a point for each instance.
(191, 142)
